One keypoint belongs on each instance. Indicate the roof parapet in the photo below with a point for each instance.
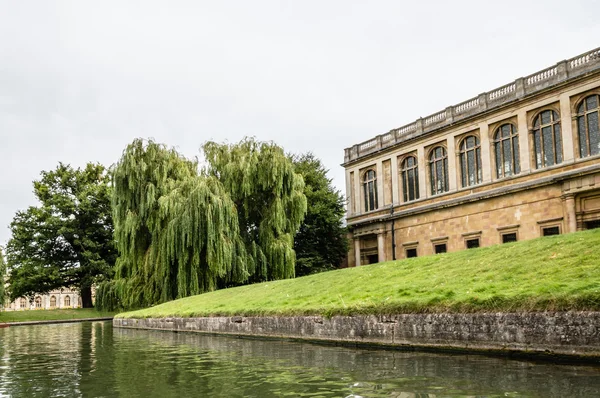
(521, 87)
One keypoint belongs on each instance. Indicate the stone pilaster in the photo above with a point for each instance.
(523, 130)
(566, 128)
(381, 246)
(569, 212)
(357, 252)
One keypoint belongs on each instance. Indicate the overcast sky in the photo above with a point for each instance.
(79, 80)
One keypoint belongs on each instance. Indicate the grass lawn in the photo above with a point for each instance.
(551, 273)
(47, 315)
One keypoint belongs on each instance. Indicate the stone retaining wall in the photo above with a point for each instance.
(566, 334)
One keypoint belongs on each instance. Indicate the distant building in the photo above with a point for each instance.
(515, 163)
(56, 299)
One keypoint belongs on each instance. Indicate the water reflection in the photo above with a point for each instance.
(92, 359)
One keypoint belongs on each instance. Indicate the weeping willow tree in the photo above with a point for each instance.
(180, 232)
(176, 231)
(268, 195)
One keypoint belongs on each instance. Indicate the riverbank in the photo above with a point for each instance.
(557, 273)
(538, 298)
(565, 336)
(53, 316)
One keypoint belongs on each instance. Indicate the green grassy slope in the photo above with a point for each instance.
(52, 315)
(552, 273)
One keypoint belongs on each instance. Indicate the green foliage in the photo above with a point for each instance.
(268, 195)
(554, 273)
(176, 231)
(180, 232)
(2, 278)
(321, 243)
(66, 241)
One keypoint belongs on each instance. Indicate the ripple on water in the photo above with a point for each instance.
(92, 359)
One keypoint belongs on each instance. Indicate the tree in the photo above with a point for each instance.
(321, 243)
(181, 231)
(2, 278)
(176, 231)
(67, 240)
(268, 196)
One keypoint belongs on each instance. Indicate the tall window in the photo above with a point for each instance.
(52, 301)
(587, 126)
(370, 187)
(23, 303)
(438, 170)
(547, 143)
(506, 147)
(38, 302)
(67, 301)
(410, 178)
(470, 161)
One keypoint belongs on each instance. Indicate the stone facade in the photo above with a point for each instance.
(515, 163)
(56, 299)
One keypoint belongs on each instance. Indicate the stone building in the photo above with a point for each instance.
(514, 163)
(56, 299)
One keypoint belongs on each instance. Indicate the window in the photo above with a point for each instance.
(440, 248)
(549, 231)
(410, 253)
(509, 237)
(38, 302)
(547, 143)
(23, 303)
(470, 161)
(472, 243)
(372, 258)
(370, 187)
(592, 224)
(410, 179)
(588, 127)
(52, 301)
(438, 170)
(67, 301)
(506, 148)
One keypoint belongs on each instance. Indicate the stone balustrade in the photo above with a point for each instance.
(562, 71)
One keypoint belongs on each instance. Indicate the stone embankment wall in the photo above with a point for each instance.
(565, 334)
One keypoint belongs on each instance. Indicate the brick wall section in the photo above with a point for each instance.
(564, 334)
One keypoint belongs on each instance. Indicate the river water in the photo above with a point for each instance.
(94, 360)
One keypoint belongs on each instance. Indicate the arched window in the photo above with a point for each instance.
(410, 178)
(23, 303)
(438, 170)
(370, 187)
(470, 161)
(588, 126)
(38, 302)
(52, 301)
(506, 147)
(547, 144)
(67, 301)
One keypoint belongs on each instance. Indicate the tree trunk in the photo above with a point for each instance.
(86, 297)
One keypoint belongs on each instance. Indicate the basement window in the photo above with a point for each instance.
(510, 237)
(551, 226)
(549, 231)
(592, 224)
(410, 253)
(472, 243)
(508, 233)
(440, 248)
